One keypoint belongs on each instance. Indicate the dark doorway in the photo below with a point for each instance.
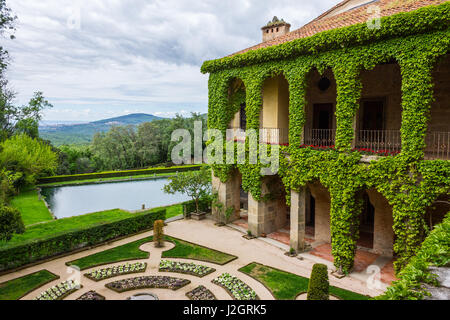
(323, 116)
(243, 117)
(311, 217)
(367, 224)
(373, 115)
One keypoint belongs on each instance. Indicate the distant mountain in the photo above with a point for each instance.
(83, 133)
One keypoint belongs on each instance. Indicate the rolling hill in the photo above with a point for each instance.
(83, 133)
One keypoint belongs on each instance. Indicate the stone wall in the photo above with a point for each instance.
(322, 216)
(229, 195)
(269, 215)
(383, 236)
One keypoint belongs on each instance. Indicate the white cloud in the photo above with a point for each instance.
(133, 54)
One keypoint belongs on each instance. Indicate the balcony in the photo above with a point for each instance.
(276, 136)
(388, 141)
(320, 137)
(437, 145)
(378, 142)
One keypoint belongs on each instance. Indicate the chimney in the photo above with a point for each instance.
(274, 29)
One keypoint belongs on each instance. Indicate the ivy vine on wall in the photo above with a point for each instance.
(416, 41)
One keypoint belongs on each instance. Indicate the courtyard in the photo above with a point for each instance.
(209, 259)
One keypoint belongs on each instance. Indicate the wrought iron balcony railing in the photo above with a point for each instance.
(320, 137)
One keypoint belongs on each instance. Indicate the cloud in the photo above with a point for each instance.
(109, 56)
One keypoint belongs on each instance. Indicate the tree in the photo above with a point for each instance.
(28, 156)
(28, 117)
(195, 184)
(10, 223)
(116, 149)
(7, 111)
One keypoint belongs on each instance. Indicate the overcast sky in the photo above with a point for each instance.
(95, 59)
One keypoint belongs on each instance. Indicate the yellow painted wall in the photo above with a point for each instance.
(275, 111)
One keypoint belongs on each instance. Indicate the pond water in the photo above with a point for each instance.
(69, 201)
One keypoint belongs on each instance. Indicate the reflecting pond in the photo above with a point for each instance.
(69, 201)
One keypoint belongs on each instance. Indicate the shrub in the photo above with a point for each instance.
(318, 286)
(10, 223)
(158, 233)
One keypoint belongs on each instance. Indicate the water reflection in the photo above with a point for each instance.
(71, 201)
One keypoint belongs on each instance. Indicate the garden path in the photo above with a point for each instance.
(204, 233)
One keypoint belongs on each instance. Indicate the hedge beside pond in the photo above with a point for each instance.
(20, 254)
(112, 174)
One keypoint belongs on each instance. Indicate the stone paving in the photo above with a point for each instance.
(225, 239)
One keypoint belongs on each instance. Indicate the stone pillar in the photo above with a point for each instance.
(383, 233)
(322, 216)
(298, 218)
(229, 194)
(266, 216)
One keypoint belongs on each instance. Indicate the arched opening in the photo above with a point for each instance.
(236, 98)
(436, 213)
(274, 115)
(320, 126)
(438, 134)
(378, 119)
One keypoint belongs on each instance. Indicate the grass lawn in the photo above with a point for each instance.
(174, 210)
(89, 181)
(130, 251)
(187, 250)
(61, 226)
(31, 208)
(287, 286)
(17, 288)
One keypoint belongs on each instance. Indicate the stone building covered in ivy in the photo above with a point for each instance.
(360, 110)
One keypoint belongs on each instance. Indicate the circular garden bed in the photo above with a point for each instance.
(186, 268)
(162, 282)
(111, 272)
(237, 289)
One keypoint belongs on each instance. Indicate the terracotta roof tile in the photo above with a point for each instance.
(344, 19)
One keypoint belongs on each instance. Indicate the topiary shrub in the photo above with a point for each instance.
(319, 286)
(10, 223)
(158, 233)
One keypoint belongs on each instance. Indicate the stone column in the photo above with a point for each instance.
(256, 215)
(322, 214)
(230, 195)
(383, 233)
(298, 218)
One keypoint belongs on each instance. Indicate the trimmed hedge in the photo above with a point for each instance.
(319, 286)
(204, 205)
(112, 174)
(39, 249)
